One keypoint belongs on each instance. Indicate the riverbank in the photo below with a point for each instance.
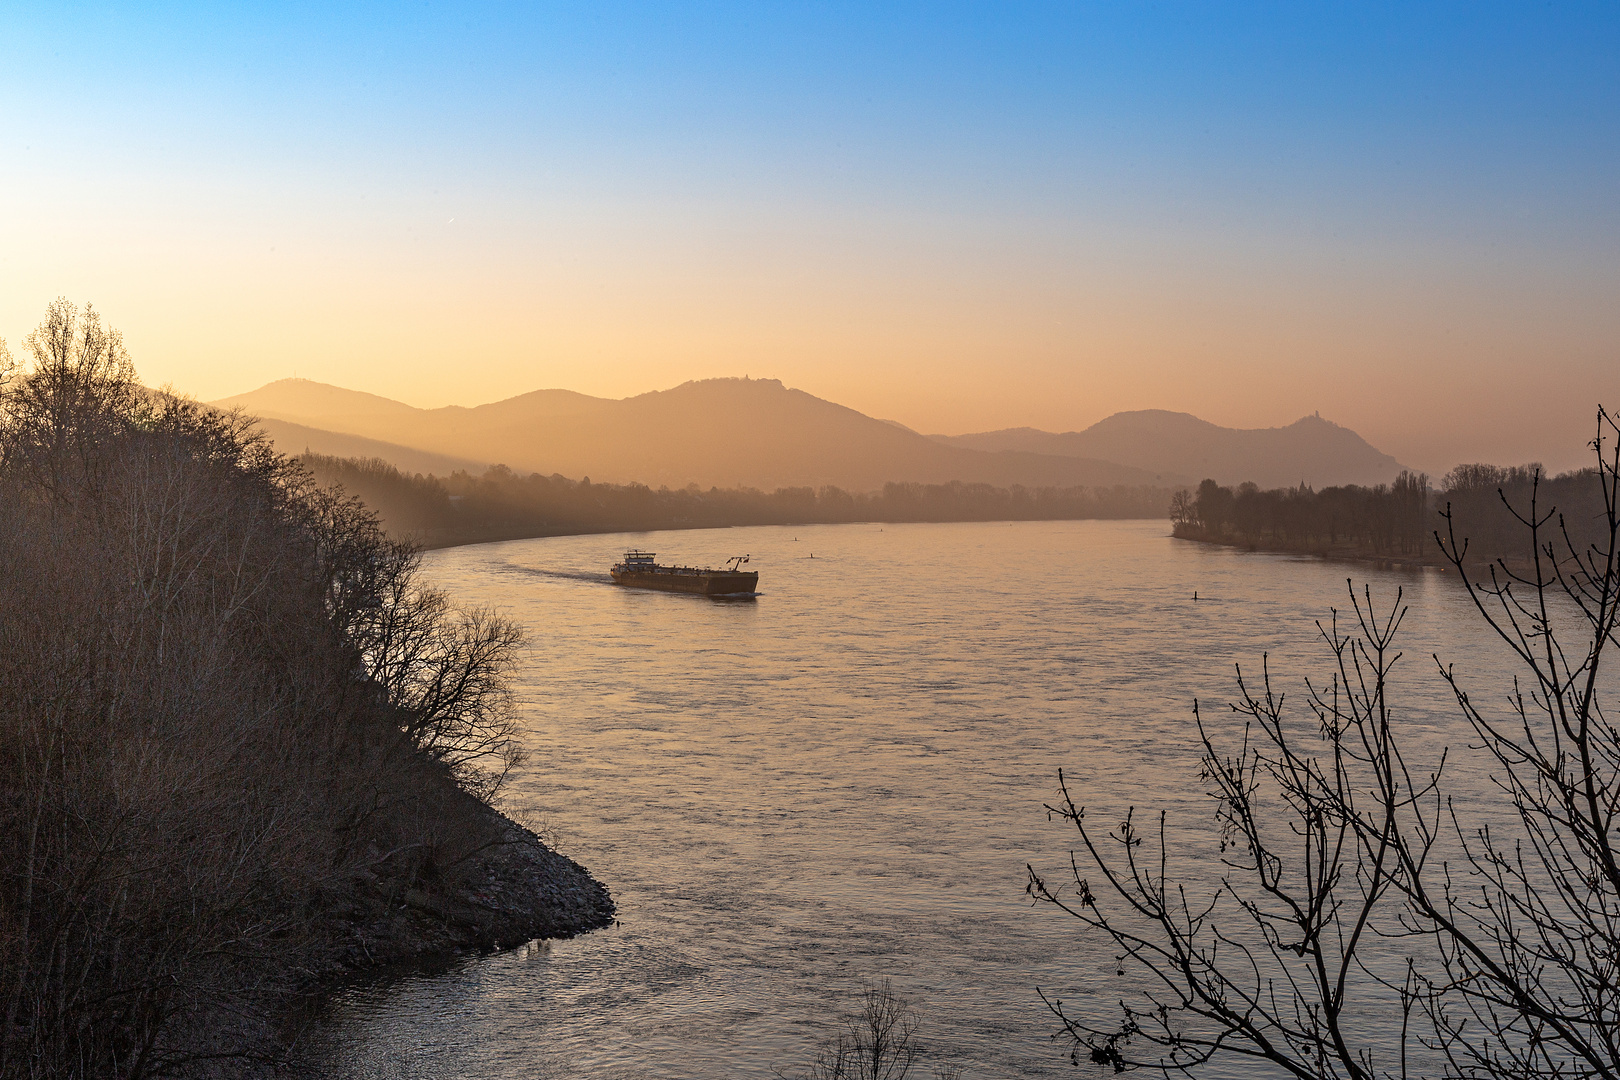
(1345, 552)
(434, 540)
(1483, 507)
(460, 509)
(380, 926)
(515, 890)
(245, 749)
(1479, 561)
(376, 926)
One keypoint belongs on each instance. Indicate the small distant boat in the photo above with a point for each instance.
(640, 570)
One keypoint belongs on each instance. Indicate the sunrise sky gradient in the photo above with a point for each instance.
(958, 217)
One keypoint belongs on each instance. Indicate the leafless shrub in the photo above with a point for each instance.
(878, 1042)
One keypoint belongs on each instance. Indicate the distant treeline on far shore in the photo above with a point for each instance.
(500, 504)
(1398, 520)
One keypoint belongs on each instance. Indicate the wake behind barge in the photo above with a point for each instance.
(640, 571)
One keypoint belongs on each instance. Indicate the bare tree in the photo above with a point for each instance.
(878, 1042)
(1183, 509)
(1362, 926)
(447, 674)
(444, 670)
(81, 378)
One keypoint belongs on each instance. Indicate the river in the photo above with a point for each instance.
(842, 781)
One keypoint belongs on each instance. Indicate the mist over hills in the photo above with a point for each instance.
(715, 432)
(1311, 450)
(293, 438)
(759, 433)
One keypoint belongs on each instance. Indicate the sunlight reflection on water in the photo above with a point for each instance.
(844, 780)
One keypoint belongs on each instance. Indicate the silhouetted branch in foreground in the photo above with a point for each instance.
(1367, 919)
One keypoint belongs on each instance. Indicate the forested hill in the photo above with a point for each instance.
(242, 744)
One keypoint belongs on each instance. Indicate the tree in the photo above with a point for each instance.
(64, 410)
(227, 704)
(878, 1042)
(1183, 510)
(1353, 893)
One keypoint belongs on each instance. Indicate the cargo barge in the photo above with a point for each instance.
(639, 570)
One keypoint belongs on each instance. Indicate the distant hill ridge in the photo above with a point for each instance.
(759, 433)
(713, 432)
(1311, 450)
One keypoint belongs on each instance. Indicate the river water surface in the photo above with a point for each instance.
(843, 780)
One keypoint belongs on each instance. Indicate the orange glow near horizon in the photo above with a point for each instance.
(968, 225)
(941, 340)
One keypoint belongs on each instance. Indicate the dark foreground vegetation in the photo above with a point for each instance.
(1379, 906)
(1395, 521)
(501, 505)
(241, 744)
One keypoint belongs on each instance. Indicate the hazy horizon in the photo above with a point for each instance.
(1557, 459)
(472, 404)
(962, 219)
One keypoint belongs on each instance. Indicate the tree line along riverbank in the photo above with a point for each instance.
(1393, 522)
(502, 505)
(242, 745)
(1483, 506)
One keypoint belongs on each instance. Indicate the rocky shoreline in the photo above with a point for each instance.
(513, 891)
(517, 890)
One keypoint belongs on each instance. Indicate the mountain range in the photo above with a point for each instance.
(759, 433)
(1310, 450)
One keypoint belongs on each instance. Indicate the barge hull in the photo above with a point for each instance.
(717, 583)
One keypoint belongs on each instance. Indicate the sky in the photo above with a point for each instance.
(960, 217)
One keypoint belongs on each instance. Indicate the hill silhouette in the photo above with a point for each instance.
(296, 439)
(1312, 450)
(714, 432)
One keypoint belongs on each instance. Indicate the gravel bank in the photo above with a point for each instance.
(514, 890)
